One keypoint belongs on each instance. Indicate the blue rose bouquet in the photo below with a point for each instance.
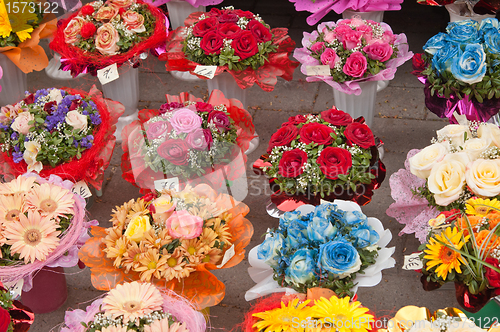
(331, 246)
(460, 70)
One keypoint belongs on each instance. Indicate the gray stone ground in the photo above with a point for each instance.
(401, 121)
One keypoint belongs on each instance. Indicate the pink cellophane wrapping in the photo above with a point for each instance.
(351, 87)
(320, 8)
(413, 212)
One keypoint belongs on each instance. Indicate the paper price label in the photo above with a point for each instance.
(413, 262)
(321, 70)
(15, 287)
(206, 71)
(227, 256)
(81, 188)
(169, 184)
(108, 74)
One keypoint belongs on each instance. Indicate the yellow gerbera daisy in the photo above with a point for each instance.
(10, 207)
(50, 200)
(22, 22)
(20, 185)
(481, 207)
(446, 258)
(287, 318)
(5, 28)
(208, 236)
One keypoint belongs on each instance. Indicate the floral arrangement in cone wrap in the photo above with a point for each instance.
(459, 71)
(194, 3)
(236, 41)
(136, 306)
(104, 33)
(14, 316)
(64, 132)
(42, 224)
(171, 239)
(355, 50)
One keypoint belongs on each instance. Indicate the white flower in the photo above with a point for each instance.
(483, 177)
(489, 131)
(475, 146)
(454, 133)
(422, 163)
(76, 120)
(447, 178)
(30, 154)
(55, 95)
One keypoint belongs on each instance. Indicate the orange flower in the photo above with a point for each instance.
(493, 242)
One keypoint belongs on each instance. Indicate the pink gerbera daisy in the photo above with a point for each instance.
(11, 206)
(116, 329)
(50, 200)
(162, 326)
(19, 185)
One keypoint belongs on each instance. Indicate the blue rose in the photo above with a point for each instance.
(302, 267)
(435, 43)
(289, 218)
(355, 219)
(339, 257)
(323, 211)
(470, 65)
(365, 237)
(488, 25)
(296, 236)
(463, 32)
(492, 42)
(268, 250)
(321, 230)
(443, 58)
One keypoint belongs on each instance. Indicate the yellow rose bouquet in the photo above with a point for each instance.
(171, 239)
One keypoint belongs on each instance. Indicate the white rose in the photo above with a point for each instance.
(424, 326)
(489, 131)
(454, 133)
(55, 95)
(483, 177)
(421, 163)
(21, 123)
(29, 156)
(76, 120)
(463, 327)
(475, 146)
(447, 178)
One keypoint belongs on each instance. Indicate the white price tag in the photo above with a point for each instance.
(207, 71)
(227, 256)
(14, 287)
(81, 188)
(108, 74)
(321, 70)
(169, 184)
(461, 118)
(413, 262)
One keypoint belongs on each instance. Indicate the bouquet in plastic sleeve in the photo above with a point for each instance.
(14, 316)
(42, 224)
(355, 50)
(329, 156)
(189, 140)
(136, 306)
(194, 3)
(235, 41)
(474, 9)
(171, 239)
(459, 71)
(333, 245)
(103, 33)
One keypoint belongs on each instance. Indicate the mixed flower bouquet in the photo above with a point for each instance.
(189, 139)
(459, 71)
(64, 132)
(356, 50)
(104, 33)
(194, 3)
(42, 224)
(136, 306)
(331, 246)
(14, 316)
(171, 239)
(327, 155)
(465, 8)
(236, 41)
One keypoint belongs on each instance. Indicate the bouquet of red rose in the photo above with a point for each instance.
(14, 316)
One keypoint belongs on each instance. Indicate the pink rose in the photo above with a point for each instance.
(156, 129)
(182, 224)
(356, 22)
(197, 140)
(185, 121)
(355, 65)
(340, 32)
(367, 32)
(106, 39)
(352, 39)
(378, 50)
(73, 29)
(21, 123)
(106, 13)
(121, 3)
(329, 57)
(389, 37)
(330, 37)
(317, 47)
(133, 21)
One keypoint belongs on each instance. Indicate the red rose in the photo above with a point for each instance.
(4, 319)
(245, 45)
(201, 28)
(29, 99)
(48, 107)
(149, 197)
(87, 10)
(317, 133)
(418, 64)
(212, 43)
(284, 136)
(215, 12)
(259, 30)
(228, 17)
(450, 215)
(334, 161)
(336, 117)
(295, 120)
(175, 151)
(244, 13)
(359, 134)
(492, 275)
(203, 107)
(229, 30)
(291, 163)
(88, 30)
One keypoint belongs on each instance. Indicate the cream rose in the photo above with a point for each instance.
(72, 30)
(121, 3)
(106, 39)
(30, 154)
(424, 326)
(483, 177)
(133, 21)
(421, 163)
(76, 120)
(55, 95)
(489, 131)
(164, 207)
(447, 178)
(464, 327)
(454, 133)
(21, 123)
(475, 146)
(137, 228)
(106, 13)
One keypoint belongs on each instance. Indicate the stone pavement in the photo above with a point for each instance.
(402, 122)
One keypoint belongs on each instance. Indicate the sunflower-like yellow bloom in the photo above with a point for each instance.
(481, 207)
(287, 318)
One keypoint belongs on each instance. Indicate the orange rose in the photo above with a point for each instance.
(493, 242)
(73, 29)
(473, 220)
(493, 218)
(133, 21)
(106, 40)
(106, 13)
(121, 3)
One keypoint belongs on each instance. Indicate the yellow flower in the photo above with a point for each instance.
(440, 220)
(22, 22)
(137, 228)
(446, 259)
(5, 28)
(481, 207)
(287, 318)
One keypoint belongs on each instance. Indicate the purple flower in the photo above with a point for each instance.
(220, 119)
(87, 141)
(95, 119)
(17, 156)
(197, 139)
(156, 129)
(85, 112)
(14, 136)
(185, 121)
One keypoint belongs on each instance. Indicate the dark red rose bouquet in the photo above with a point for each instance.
(330, 155)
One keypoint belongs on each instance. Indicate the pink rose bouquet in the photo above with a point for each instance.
(355, 50)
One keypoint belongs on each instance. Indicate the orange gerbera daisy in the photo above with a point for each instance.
(50, 200)
(176, 266)
(222, 231)
(208, 237)
(151, 265)
(33, 237)
(118, 250)
(11, 206)
(194, 250)
(19, 185)
(112, 328)
(119, 215)
(138, 208)
(157, 241)
(131, 258)
(213, 256)
(481, 238)
(163, 326)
